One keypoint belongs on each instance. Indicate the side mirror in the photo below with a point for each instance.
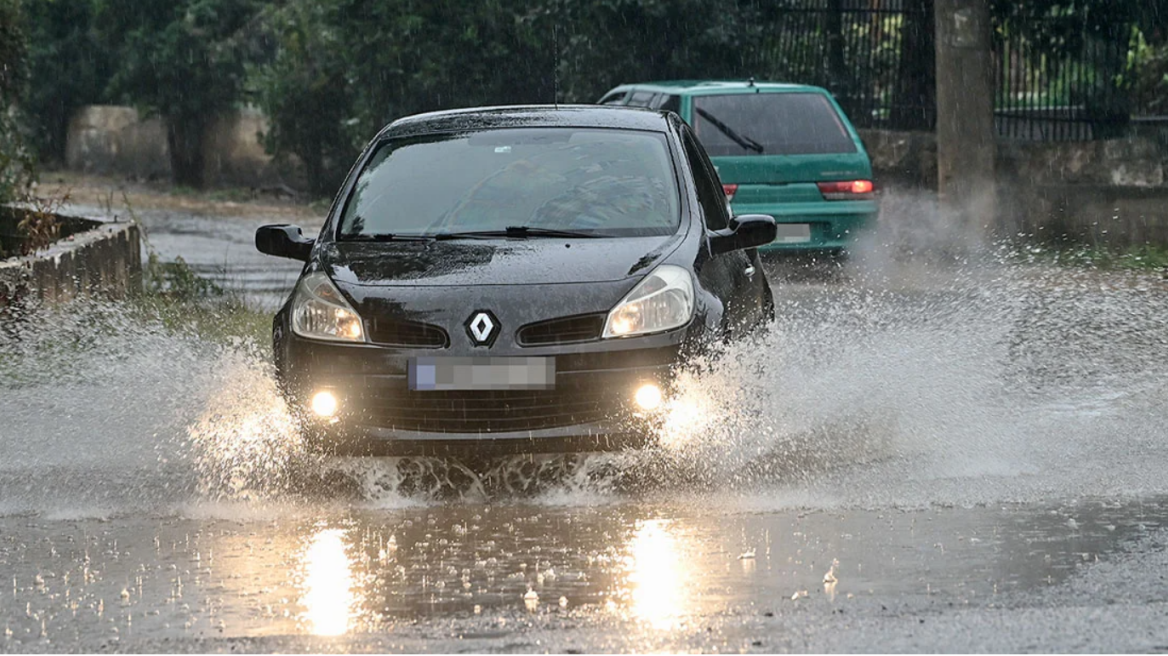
(746, 231)
(283, 241)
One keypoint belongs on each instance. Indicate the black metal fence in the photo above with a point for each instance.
(876, 57)
(1072, 72)
(1060, 76)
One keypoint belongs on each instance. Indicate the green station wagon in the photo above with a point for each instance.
(786, 150)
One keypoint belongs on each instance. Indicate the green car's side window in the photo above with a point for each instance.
(670, 104)
(711, 197)
(614, 98)
(641, 98)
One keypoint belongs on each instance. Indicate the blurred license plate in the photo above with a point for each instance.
(444, 374)
(792, 233)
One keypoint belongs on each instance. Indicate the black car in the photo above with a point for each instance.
(516, 279)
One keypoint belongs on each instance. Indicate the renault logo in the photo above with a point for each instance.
(483, 327)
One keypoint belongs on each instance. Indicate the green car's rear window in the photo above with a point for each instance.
(770, 124)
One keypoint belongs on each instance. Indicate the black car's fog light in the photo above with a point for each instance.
(648, 397)
(324, 404)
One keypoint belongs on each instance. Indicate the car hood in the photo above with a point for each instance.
(465, 263)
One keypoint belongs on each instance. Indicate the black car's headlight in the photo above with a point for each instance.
(320, 312)
(662, 301)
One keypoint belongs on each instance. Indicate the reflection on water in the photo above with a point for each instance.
(646, 573)
(328, 597)
(655, 572)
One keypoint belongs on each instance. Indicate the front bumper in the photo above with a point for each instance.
(590, 408)
(835, 225)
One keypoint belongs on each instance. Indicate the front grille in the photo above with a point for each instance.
(407, 334)
(489, 411)
(566, 330)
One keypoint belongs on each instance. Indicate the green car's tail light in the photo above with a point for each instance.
(730, 190)
(847, 190)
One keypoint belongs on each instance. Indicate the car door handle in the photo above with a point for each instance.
(749, 271)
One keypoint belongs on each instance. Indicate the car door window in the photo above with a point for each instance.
(614, 98)
(711, 196)
(670, 103)
(641, 98)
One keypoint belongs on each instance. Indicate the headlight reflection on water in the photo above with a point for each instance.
(658, 579)
(328, 597)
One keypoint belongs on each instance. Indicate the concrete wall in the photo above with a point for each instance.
(1102, 215)
(910, 158)
(112, 140)
(104, 260)
(1112, 192)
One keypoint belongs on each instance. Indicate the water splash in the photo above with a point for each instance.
(246, 443)
(910, 382)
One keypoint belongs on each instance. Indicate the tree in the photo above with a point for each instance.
(69, 66)
(915, 92)
(607, 42)
(306, 91)
(183, 60)
(16, 163)
(344, 68)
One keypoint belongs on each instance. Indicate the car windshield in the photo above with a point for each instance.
(599, 182)
(770, 124)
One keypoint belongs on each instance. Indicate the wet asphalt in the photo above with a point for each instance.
(924, 456)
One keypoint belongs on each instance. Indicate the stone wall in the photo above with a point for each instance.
(1112, 192)
(103, 259)
(1096, 214)
(112, 140)
(910, 159)
(115, 141)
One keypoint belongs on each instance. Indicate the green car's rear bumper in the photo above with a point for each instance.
(832, 225)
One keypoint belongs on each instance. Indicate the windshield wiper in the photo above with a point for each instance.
(516, 232)
(741, 140)
(384, 236)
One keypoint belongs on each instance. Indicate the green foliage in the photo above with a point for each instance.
(1146, 73)
(176, 280)
(70, 67)
(181, 301)
(13, 50)
(306, 92)
(181, 59)
(16, 162)
(330, 73)
(344, 68)
(605, 43)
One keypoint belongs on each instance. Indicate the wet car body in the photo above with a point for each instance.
(492, 300)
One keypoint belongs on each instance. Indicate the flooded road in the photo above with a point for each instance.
(928, 457)
(216, 239)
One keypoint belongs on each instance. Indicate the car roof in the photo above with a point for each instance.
(486, 118)
(707, 87)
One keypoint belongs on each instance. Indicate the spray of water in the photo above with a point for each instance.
(926, 369)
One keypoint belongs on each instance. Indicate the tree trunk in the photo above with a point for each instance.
(314, 171)
(184, 137)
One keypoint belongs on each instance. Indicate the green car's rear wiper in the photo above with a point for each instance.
(742, 140)
(516, 232)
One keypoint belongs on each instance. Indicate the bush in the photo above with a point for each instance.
(16, 163)
(305, 90)
(70, 67)
(183, 60)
